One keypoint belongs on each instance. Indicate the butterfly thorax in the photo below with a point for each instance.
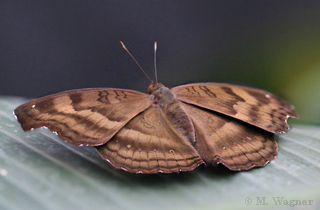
(169, 104)
(162, 95)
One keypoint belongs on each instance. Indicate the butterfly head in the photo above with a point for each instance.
(161, 94)
(154, 86)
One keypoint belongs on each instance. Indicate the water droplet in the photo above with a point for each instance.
(33, 106)
(80, 145)
(3, 172)
(128, 146)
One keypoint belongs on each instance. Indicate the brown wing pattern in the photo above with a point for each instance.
(257, 107)
(236, 144)
(84, 116)
(150, 144)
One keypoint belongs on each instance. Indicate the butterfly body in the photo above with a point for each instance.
(167, 130)
(166, 100)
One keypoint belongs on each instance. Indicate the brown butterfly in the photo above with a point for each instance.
(167, 130)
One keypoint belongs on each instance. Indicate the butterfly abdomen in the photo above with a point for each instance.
(180, 120)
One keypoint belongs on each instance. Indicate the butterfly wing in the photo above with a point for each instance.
(85, 116)
(256, 107)
(150, 144)
(235, 144)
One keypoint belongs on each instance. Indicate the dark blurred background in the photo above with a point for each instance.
(51, 46)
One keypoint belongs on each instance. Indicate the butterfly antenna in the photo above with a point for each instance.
(155, 61)
(124, 47)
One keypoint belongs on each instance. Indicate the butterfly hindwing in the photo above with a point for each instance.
(256, 107)
(149, 143)
(84, 116)
(235, 144)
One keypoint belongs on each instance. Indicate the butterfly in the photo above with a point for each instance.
(166, 130)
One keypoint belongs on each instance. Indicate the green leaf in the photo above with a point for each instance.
(40, 171)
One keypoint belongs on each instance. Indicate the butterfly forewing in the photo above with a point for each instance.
(84, 116)
(150, 144)
(236, 144)
(256, 107)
